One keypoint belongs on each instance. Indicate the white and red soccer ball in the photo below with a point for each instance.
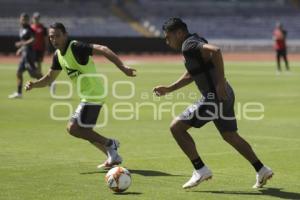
(118, 179)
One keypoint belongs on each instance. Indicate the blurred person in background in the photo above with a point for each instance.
(279, 38)
(27, 54)
(40, 44)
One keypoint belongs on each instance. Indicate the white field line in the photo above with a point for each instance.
(69, 162)
(274, 138)
(8, 67)
(210, 154)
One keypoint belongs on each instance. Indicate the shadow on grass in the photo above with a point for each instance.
(150, 173)
(136, 171)
(128, 193)
(274, 192)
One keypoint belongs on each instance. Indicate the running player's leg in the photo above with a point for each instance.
(107, 146)
(19, 76)
(278, 60)
(86, 133)
(191, 117)
(243, 147)
(227, 126)
(81, 126)
(32, 69)
(100, 147)
(39, 56)
(20, 81)
(183, 138)
(286, 60)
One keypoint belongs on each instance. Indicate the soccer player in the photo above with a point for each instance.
(41, 39)
(75, 59)
(279, 37)
(204, 66)
(27, 55)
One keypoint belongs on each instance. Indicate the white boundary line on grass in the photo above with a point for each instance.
(213, 154)
(69, 162)
(274, 138)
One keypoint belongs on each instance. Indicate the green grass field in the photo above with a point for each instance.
(39, 160)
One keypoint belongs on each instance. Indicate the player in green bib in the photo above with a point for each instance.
(75, 58)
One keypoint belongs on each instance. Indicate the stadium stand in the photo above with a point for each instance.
(83, 18)
(218, 19)
(221, 19)
(232, 24)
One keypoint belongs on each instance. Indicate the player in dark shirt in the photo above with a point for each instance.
(27, 54)
(204, 66)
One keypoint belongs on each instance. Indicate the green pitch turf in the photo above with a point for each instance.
(39, 160)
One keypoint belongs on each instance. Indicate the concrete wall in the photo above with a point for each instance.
(158, 45)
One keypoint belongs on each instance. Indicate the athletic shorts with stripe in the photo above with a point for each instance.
(208, 108)
(86, 114)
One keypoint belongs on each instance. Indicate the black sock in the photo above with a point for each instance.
(108, 143)
(197, 163)
(20, 89)
(257, 165)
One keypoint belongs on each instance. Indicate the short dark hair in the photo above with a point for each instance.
(58, 25)
(24, 15)
(173, 24)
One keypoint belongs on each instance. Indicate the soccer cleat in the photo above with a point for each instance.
(263, 175)
(113, 158)
(114, 146)
(15, 95)
(198, 176)
(110, 164)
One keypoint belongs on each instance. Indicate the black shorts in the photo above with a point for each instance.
(27, 63)
(86, 114)
(281, 53)
(39, 55)
(209, 109)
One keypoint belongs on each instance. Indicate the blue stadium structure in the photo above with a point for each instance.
(230, 23)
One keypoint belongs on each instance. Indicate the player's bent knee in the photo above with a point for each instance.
(37, 75)
(230, 137)
(73, 129)
(19, 74)
(177, 126)
(173, 126)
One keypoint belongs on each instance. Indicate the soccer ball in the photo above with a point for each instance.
(118, 179)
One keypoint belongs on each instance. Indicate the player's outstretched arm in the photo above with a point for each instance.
(213, 53)
(24, 42)
(44, 81)
(110, 55)
(184, 80)
(19, 51)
